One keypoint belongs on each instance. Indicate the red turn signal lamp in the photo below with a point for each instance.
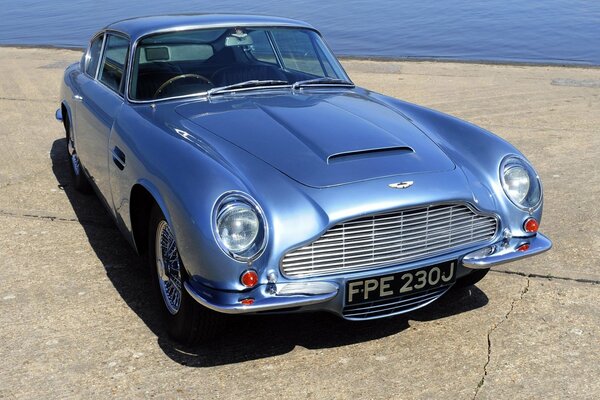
(247, 302)
(249, 278)
(531, 225)
(523, 247)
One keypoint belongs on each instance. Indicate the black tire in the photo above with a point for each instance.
(472, 278)
(80, 180)
(191, 323)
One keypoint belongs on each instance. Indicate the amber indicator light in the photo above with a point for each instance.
(247, 302)
(523, 247)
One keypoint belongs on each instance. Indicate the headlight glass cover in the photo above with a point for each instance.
(520, 182)
(239, 226)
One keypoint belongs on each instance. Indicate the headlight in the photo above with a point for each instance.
(520, 182)
(239, 226)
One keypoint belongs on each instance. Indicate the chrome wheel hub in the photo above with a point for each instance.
(168, 267)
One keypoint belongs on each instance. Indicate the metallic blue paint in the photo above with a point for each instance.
(275, 145)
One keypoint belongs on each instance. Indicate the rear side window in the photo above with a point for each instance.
(112, 70)
(93, 56)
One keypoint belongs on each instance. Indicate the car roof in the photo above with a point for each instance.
(142, 26)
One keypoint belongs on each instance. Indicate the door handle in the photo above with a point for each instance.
(118, 158)
(77, 97)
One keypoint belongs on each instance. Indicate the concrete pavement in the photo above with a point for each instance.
(78, 320)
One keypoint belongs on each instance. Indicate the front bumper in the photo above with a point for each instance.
(268, 297)
(506, 251)
(312, 295)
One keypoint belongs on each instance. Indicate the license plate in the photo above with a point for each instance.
(400, 284)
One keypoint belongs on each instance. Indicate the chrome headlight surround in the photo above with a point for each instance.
(520, 182)
(224, 211)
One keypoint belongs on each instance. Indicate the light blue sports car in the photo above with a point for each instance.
(238, 156)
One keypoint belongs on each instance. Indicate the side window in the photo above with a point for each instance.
(112, 69)
(93, 56)
(261, 48)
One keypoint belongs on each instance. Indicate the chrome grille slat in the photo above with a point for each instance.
(392, 228)
(441, 218)
(378, 240)
(380, 245)
(375, 305)
(392, 306)
(386, 309)
(324, 256)
(386, 257)
(397, 238)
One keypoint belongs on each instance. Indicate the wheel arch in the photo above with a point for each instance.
(143, 198)
(66, 118)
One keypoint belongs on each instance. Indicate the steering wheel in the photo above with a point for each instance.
(179, 77)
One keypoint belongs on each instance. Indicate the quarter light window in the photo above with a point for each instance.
(113, 63)
(93, 56)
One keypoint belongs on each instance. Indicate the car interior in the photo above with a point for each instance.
(184, 63)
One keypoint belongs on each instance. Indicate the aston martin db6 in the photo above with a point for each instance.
(236, 154)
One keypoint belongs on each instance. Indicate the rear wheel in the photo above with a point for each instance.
(80, 181)
(472, 278)
(186, 321)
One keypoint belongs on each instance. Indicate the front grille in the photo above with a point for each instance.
(396, 305)
(387, 239)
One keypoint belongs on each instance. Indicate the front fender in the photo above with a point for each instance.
(185, 177)
(476, 151)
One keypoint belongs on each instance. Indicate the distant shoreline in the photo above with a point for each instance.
(378, 58)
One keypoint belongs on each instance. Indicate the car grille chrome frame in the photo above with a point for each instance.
(397, 237)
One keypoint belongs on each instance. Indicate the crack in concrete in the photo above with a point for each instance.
(24, 99)
(53, 218)
(489, 334)
(550, 277)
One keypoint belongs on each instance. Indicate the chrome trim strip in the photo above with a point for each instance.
(229, 302)
(100, 56)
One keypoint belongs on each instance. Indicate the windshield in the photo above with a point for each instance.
(226, 59)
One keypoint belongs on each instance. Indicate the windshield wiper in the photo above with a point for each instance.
(245, 85)
(322, 81)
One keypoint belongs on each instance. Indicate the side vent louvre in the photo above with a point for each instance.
(361, 154)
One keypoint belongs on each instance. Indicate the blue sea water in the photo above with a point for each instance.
(534, 31)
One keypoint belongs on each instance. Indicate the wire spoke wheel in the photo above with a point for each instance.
(168, 267)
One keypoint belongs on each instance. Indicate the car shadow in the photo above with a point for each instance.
(245, 337)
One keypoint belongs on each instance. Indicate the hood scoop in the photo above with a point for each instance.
(321, 139)
(369, 153)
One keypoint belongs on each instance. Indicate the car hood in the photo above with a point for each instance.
(321, 139)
